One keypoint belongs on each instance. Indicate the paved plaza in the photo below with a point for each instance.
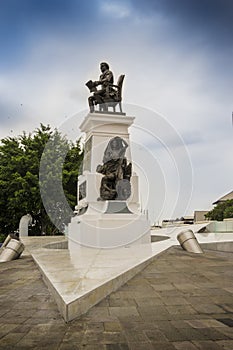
(180, 301)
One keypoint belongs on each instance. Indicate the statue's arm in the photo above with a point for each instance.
(124, 144)
(107, 79)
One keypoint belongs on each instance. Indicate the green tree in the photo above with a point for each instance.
(20, 169)
(223, 210)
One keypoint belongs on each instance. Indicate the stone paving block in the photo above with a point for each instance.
(226, 331)
(213, 334)
(92, 338)
(204, 323)
(171, 293)
(163, 287)
(175, 301)
(123, 311)
(226, 321)
(73, 337)
(69, 346)
(150, 311)
(135, 337)
(148, 301)
(186, 286)
(192, 334)
(185, 345)
(114, 337)
(122, 346)
(141, 346)
(225, 344)
(196, 300)
(7, 328)
(122, 302)
(180, 324)
(227, 307)
(162, 346)
(155, 335)
(181, 309)
(97, 327)
(197, 292)
(34, 321)
(112, 326)
(208, 308)
(11, 338)
(207, 345)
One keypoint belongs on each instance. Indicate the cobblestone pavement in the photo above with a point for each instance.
(180, 301)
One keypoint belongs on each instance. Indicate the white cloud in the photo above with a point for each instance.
(116, 9)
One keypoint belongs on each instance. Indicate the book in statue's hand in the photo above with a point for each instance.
(91, 86)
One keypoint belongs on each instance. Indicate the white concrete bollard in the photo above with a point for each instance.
(189, 242)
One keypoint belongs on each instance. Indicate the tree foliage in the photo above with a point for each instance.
(223, 210)
(23, 179)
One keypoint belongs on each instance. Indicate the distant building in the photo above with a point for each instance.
(199, 215)
(227, 197)
(185, 220)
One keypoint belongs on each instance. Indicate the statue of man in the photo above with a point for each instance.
(106, 79)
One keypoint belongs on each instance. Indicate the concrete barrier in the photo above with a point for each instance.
(189, 242)
(12, 249)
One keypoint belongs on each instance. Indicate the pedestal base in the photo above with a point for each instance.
(109, 230)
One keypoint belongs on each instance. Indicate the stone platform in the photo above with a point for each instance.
(181, 301)
(79, 280)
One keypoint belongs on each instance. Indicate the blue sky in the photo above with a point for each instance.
(176, 54)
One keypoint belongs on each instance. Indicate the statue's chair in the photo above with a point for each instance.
(113, 96)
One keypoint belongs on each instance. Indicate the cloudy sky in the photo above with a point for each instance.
(177, 57)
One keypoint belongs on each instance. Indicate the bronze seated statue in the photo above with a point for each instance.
(109, 94)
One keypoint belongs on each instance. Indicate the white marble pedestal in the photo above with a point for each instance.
(106, 224)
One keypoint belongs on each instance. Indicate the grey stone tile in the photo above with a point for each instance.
(122, 346)
(213, 334)
(155, 335)
(69, 346)
(112, 326)
(123, 311)
(204, 323)
(184, 345)
(207, 345)
(135, 337)
(181, 309)
(141, 346)
(142, 301)
(208, 308)
(150, 311)
(192, 334)
(122, 302)
(175, 300)
(225, 344)
(162, 346)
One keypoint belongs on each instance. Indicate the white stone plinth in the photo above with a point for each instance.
(99, 129)
(97, 224)
(108, 230)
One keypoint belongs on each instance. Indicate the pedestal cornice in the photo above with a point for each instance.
(95, 120)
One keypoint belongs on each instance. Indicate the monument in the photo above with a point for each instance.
(108, 211)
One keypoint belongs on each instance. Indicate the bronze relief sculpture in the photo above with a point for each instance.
(115, 184)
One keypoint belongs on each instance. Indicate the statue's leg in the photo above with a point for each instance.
(98, 96)
(91, 103)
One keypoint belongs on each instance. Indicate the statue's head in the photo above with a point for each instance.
(104, 66)
(116, 143)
